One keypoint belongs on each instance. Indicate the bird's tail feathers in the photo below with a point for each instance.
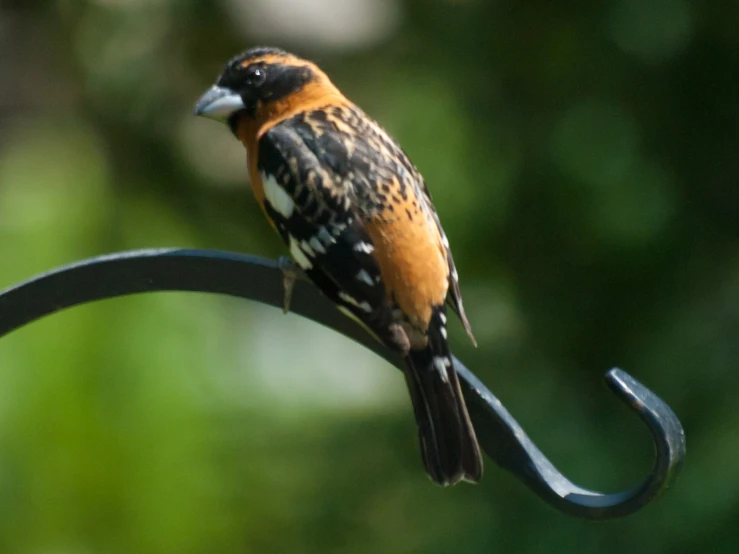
(448, 443)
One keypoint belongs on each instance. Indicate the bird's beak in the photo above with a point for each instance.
(219, 103)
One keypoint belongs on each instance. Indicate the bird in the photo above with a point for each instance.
(358, 219)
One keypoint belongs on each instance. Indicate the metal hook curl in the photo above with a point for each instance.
(259, 279)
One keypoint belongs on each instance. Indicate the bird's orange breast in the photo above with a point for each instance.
(248, 134)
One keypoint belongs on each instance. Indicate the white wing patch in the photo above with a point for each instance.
(365, 277)
(298, 255)
(277, 197)
(307, 248)
(441, 364)
(350, 300)
(365, 247)
(325, 237)
(317, 246)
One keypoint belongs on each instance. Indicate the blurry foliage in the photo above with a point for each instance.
(583, 158)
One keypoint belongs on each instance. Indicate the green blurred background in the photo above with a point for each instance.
(584, 158)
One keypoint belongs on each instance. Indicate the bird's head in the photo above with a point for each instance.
(261, 84)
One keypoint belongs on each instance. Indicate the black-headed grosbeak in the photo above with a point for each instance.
(357, 217)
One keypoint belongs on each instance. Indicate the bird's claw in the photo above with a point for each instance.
(290, 273)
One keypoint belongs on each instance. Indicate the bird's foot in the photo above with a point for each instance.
(290, 273)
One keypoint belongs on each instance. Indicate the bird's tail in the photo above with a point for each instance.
(448, 443)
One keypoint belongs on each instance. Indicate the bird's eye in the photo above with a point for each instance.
(255, 76)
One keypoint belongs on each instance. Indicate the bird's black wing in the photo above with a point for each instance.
(309, 195)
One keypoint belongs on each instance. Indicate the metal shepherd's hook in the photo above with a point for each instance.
(261, 280)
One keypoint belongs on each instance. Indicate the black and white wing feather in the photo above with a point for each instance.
(310, 200)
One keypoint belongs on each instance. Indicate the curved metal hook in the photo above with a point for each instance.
(258, 279)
